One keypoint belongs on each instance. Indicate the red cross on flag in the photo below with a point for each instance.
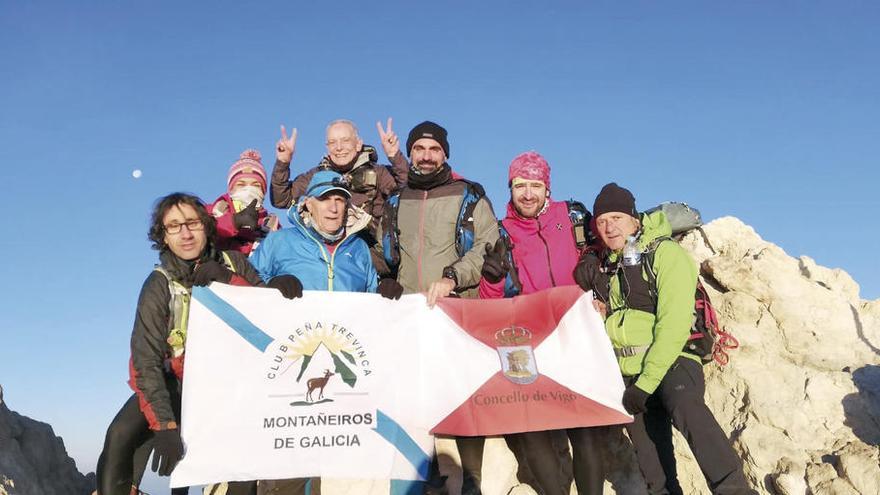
(530, 363)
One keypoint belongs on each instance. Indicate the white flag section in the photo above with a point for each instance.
(350, 385)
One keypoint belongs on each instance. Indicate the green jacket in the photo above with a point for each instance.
(666, 331)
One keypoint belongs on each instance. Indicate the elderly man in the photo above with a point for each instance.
(432, 236)
(542, 253)
(370, 184)
(321, 251)
(645, 283)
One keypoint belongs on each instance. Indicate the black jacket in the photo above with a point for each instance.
(153, 373)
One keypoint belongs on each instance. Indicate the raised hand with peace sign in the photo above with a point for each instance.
(390, 143)
(285, 147)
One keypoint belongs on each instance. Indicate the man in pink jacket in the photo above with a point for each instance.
(541, 253)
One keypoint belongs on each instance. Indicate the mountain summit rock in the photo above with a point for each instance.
(33, 461)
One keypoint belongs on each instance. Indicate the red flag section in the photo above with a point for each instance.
(519, 397)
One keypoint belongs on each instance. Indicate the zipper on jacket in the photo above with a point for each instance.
(328, 262)
(330, 273)
(421, 236)
(546, 250)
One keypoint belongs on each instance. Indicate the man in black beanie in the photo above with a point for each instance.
(648, 319)
(420, 243)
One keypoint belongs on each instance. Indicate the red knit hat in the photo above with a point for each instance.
(530, 166)
(249, 166)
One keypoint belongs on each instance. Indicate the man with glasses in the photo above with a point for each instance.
(370, 183)
(184, 234)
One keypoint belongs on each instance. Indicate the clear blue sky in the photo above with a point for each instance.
(767, 111)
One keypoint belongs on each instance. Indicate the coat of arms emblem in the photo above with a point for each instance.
(514, 346)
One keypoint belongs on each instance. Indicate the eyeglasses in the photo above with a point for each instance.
(346, 142)
(191, 225)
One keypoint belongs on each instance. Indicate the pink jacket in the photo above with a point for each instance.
(544, 251)
(229, 237)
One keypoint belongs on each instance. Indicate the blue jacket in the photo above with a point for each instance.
(300, 252)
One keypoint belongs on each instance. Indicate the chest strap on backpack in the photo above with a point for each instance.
(630, 351)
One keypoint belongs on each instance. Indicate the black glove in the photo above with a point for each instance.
(289, 286)
(248, 218)
(211, 271)
(167, 451)
(635, 400)
(495, 265)
(390, 288)
(586, 270)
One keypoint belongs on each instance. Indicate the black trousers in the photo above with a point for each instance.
(547, 465)
(127, 447)
(679, 402)
(470, 450)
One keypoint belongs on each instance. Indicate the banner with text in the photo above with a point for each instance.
(349, 385)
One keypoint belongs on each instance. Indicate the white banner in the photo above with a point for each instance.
(348, 385)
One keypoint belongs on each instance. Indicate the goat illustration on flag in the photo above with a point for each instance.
(350, 385)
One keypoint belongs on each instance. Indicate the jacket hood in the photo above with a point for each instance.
(654, 225)
(366, 155)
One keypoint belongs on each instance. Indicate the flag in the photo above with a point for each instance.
(546, 364)
(351, 385)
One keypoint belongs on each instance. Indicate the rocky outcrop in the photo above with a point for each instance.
(801, 397)
(33, 460)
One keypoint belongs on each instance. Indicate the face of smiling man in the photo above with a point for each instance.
(343, 143)
(528, 197)
(427, 155)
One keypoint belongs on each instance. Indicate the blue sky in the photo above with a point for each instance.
(767, 111)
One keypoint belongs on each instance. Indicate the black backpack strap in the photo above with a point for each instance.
(512, 284)
(648, 265)
(391, 234)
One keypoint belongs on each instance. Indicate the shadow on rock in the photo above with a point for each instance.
(862, 410)
(861, 331)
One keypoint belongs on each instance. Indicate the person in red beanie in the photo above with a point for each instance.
(242, 221)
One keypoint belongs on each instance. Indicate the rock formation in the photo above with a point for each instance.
(33, 460)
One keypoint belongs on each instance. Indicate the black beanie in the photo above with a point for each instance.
(615, 198)
(430, 130)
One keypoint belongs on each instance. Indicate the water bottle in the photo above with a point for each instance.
(631, 254)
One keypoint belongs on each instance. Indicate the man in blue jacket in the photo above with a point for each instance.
(321, 251)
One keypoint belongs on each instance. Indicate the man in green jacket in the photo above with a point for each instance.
(648, 324)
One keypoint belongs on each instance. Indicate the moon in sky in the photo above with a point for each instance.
(136, 173)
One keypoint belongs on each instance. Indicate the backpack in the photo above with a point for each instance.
(178, 308)
(464, 224)
(580, 224)
(707, 340)
(580, 228)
